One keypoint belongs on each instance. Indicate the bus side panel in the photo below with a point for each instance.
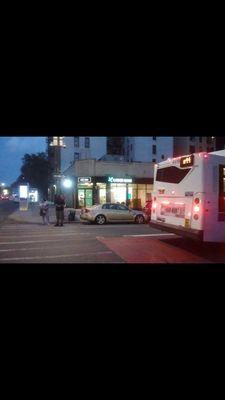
(214, 229)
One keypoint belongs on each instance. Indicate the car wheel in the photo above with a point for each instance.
(100, 220)
(139, 219)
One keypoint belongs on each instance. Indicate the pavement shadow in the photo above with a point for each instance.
(214, 252)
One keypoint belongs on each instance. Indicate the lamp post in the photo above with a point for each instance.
(68, 184)
(1, 186)
(57, 143)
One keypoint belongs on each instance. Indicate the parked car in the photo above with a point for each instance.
(4, 197)
(112, 212)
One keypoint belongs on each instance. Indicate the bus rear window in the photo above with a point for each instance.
(171, 174)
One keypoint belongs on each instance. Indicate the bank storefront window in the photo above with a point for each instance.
(138, 194)
(142, 194)
(118, 192)
(101, 187)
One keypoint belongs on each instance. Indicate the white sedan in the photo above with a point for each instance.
(112, 212)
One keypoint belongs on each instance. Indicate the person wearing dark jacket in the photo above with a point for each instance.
(59, 209)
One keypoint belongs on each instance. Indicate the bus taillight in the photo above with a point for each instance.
(196, 209)
(154, 205)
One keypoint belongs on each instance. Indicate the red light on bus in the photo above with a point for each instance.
(197, 200)
(196, 216)
(205, 156)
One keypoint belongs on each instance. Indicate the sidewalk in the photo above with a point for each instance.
(32, 215)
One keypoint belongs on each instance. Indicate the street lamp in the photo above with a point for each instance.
(67, 183)
(57, 143)
(1, 185)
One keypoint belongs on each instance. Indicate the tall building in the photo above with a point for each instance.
(117, 148)
(220, 142)
(191, 144)
(54, 146)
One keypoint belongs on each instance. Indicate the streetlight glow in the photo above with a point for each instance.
(67, 183)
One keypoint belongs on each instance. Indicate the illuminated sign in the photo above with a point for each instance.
(119, 180)
(23, 191)
(187, 161)
(24, 197)
(84, 180)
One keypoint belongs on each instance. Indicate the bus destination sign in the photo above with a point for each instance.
(187, 161)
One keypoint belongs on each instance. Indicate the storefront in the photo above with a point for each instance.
(98, 190)
(97, 182)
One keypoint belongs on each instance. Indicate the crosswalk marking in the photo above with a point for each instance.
(35, 241)
(42, 235)
(151, 234)
(58, 256)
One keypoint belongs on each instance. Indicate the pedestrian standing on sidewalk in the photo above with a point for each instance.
(59, 209)
(44, 211)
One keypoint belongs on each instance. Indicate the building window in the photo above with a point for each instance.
(131, 147)
(153, 149)
(192, 138)
(154, 137)
(192, 149)
(76, 141)
(87, 142)
(162, 157)
(76, 156)
(154, 160)
(200, 139)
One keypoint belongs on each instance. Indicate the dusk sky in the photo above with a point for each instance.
(12, 150)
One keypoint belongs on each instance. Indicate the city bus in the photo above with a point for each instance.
(189, 196)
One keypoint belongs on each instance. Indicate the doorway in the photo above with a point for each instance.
(85, 198)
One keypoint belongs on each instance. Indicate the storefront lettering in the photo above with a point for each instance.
(119, 180)
(84, 180)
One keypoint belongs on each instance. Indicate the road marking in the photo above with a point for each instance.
(30, 248)
(54, 256)
(152, 234)
(37, 235)
(35, 241)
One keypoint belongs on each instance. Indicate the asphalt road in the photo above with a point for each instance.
(108, 244)
(6, 208)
